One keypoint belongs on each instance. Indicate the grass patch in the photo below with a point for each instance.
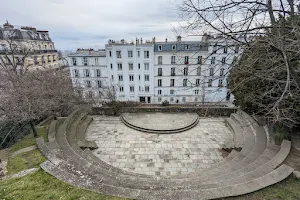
(29, 139)
(42, 186)
(285, 190)
(24, 161)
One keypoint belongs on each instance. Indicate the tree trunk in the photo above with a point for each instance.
(33, 129)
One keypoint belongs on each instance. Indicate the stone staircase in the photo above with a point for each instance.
(257, 165)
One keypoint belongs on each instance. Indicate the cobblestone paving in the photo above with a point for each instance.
(159, 155)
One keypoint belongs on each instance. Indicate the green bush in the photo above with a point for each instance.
(165, 103)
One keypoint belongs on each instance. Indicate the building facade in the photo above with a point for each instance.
(131, 70)
(27, 41)
(174, 71)
(88, 70)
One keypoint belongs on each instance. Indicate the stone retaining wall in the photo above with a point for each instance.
(201, 111)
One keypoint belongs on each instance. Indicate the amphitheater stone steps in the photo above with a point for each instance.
(233, 176)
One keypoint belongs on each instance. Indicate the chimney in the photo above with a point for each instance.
(178, 38)
(141, 40)
(136, 41)
(166, 39)
(7, 25)
(153, 40)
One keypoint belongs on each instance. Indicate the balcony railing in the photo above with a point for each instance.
(16, 52)
(173, 74)
(159, 74)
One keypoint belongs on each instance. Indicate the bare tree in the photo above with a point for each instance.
(272, 25)
(29, 94)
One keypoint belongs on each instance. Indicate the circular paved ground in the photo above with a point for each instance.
(159, 155)
(160, 121)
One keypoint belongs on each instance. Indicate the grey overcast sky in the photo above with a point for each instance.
(90, 23)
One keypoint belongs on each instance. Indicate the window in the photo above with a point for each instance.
(223, 60)
(109, 53)
(171, 99)
(53, 57)
(121, 89)
(87, 73)
(100, 94)
(236, 49)
(185, 71)
(139, 77)
(184, 82)
(225, 49)
(98, 72)
(36, 61)
(120, 78)
(146, 77)
(196, 91)
(90, 94)
(119, 54)
(198, 71)
(130, 66)
(220, 83)
(85, 61)
(159, 48)
(146, 88)
(139, 65)
(159, 82)
(88, 83)
(234, 60)
(96, 61)
(172, 92)
(213, 60)
(172, 81)
(173, 71)
(210, 83)
(197, 82)
(160, 60)
(111, 66)
(131, 88)
(159, 99)
(159, 92)
(159, 72)
(199, 60)
(112, 77)
(49, 58)
(119, 66)
(183, 99)
(196, 99)
(76, 74)
(211, 71)
(139, 88)
(74, 61)
(138, 53)
(186, 47)
(146, 54)
(173, 47)
(222, 72)
(146, 66)
(99, 84)
(130, 77)
(186, 60)
(173, 59)
(130, 54)
(215, 48)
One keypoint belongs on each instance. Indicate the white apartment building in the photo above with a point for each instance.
(192, 71)
(88, 71)
(152, 72)
(131, 69)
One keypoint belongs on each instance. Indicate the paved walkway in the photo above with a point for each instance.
(160, 155)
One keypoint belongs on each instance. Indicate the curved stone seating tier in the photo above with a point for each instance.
(52, 130)
(172, 124)
(80, 136)
(254, 168)
(238, 133)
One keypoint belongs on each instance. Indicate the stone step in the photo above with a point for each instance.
(52, 130)
(160, 131)
(238, 132)
(211, 193)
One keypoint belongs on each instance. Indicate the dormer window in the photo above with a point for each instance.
(159, 47)
(186, 47)
(173, 47)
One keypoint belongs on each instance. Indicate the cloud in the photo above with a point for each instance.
(76, 23)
